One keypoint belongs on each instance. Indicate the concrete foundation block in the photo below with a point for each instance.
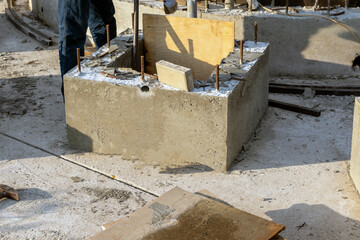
(355, 146)
(175, 75)
(157, 124)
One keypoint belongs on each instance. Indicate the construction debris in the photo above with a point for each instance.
(179, 214)
(294, 108)
(8, 192)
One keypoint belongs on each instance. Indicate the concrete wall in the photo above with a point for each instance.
(300, 46)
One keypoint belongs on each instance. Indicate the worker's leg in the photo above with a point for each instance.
(73, 17)
(101, 13)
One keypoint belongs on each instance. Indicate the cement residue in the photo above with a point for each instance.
(104, 194)
(206, 220)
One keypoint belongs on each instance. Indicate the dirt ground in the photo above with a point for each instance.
(294, 170)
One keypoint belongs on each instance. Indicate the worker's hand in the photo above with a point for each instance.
(170, 6)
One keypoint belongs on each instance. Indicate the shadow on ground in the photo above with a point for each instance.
(305, 221)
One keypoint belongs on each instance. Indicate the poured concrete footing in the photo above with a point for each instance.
(165, 126)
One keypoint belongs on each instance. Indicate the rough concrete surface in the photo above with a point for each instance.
(294, 171)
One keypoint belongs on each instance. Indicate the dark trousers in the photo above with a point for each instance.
(74, 16)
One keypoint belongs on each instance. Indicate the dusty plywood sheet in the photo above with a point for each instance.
(179, 214)
(198, 44)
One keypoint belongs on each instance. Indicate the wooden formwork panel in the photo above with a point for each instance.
(198, 44)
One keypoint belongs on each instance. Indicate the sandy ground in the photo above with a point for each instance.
(293, 171)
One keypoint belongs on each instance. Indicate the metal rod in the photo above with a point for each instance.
(136, 36)
(132, 21)
(287, 7)
(206, 5)
(217, 77)
(191, 9)
(108, 35)
(250, 7)
(256, 29)
(142, 69)
(328, 7)
(241, 51)
(78, 59)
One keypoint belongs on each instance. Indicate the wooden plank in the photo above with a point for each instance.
(198, 44)
(319, 90)
(195, 216)
(294, 108)
(22, 26)
(175, 75)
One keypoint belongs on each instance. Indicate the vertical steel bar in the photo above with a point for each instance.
(108, 35)
(78, 59)
(287, 7)
(132, 21)
(217, 77)
(256, 30)
(241, 51)
(328, 8)
(135, 56)
(191, 9)
(142, 69)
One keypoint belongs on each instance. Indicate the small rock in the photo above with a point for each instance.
(24, 41)
(309, 93)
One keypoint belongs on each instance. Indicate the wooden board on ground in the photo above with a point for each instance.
(179, 214)
(198, 44)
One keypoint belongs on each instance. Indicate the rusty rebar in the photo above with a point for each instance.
(241, 51)
(256, 30)
(142, 69)
(132, 21)
(217, 77)
(287, 7)
(78, 59)
(108, 35)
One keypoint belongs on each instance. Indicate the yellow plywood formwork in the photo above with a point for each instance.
(198, 44)
(355, 146)
(179, 214)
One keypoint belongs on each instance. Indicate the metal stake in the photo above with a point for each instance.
(78, 59)
(132, 21)
(191, 9)
(256, 29)
(287, 7)
(142, 69)
(136, 36)
(108, 35)
(250, 7)
(217, 77)
(241, 51)
(206, 5)
(328, 8)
